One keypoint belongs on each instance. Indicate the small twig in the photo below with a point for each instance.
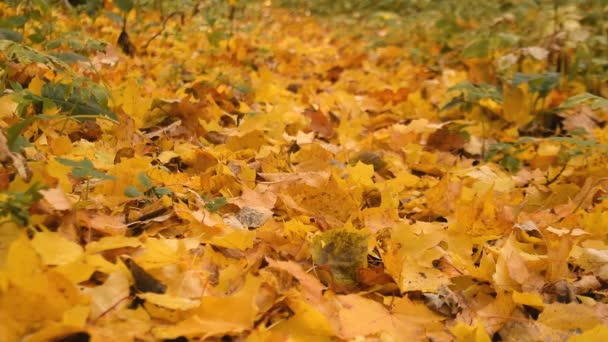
(483, 133)
(196, 8)
(164, 25)
(110, 309)
(550, 181)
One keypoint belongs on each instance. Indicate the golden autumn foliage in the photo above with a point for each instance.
(288, 180)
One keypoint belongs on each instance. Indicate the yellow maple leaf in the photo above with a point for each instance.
(217, 316)
(409, 259)
(36, 298)
(306, 323)
(104, 297)
(570, 316)
(517, 104)
(527, 298)
(361, 174)
(35, 86)
(405, 321)
(134, 102)
(464, 332)
(76, 271)
(159, 253)
(112, 242)
(169, 301)
(239, 239)
(8, 106)
(54, 249)
(597, 333)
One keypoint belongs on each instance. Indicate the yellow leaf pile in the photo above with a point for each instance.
(292, 182)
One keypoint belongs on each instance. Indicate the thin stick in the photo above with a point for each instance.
(164, 25)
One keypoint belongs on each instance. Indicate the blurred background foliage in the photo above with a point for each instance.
(572, 35)
(498, 39)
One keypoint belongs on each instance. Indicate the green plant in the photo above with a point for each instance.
(84, 170)
(539, 85)
(577, 145)
(16, 205)
(472, 96)
(506, 154)
(596, 102)
(77, 97)
(149, 189)
(214, 204)
(73, 94)
(81, 99)
(30, 11)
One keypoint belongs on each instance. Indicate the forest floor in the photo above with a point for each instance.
(276, 176)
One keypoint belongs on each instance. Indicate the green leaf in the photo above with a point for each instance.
(520, 78)
(79, 172)
(37, 37)
(508, 39)
(16, 86)
(574, 141)
(454, 102)
(475, 93)
(96, 45)
(84, 169)
(11, 35)
(13, 133)
(161, 191)
(124, 5)
(144, 180)
(25, 54)
(511, 163)
(217, 36)
(17, 204)
(76, 101)
(53, 44)
(19, 144)
(537, 83)
(68, 162)
(214, 204)
(499, 147)
(75, 44)
(476, 49)
(596, 102)
(16, 21)
(101, 175)
(70, 57)
(114, 17)
(243, 88)
(132, 191)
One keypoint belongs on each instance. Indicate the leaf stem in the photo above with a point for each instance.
(162, 29)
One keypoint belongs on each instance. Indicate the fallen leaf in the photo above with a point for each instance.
(56, 250)
(105, 297)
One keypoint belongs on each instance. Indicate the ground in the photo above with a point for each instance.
(258, 172)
